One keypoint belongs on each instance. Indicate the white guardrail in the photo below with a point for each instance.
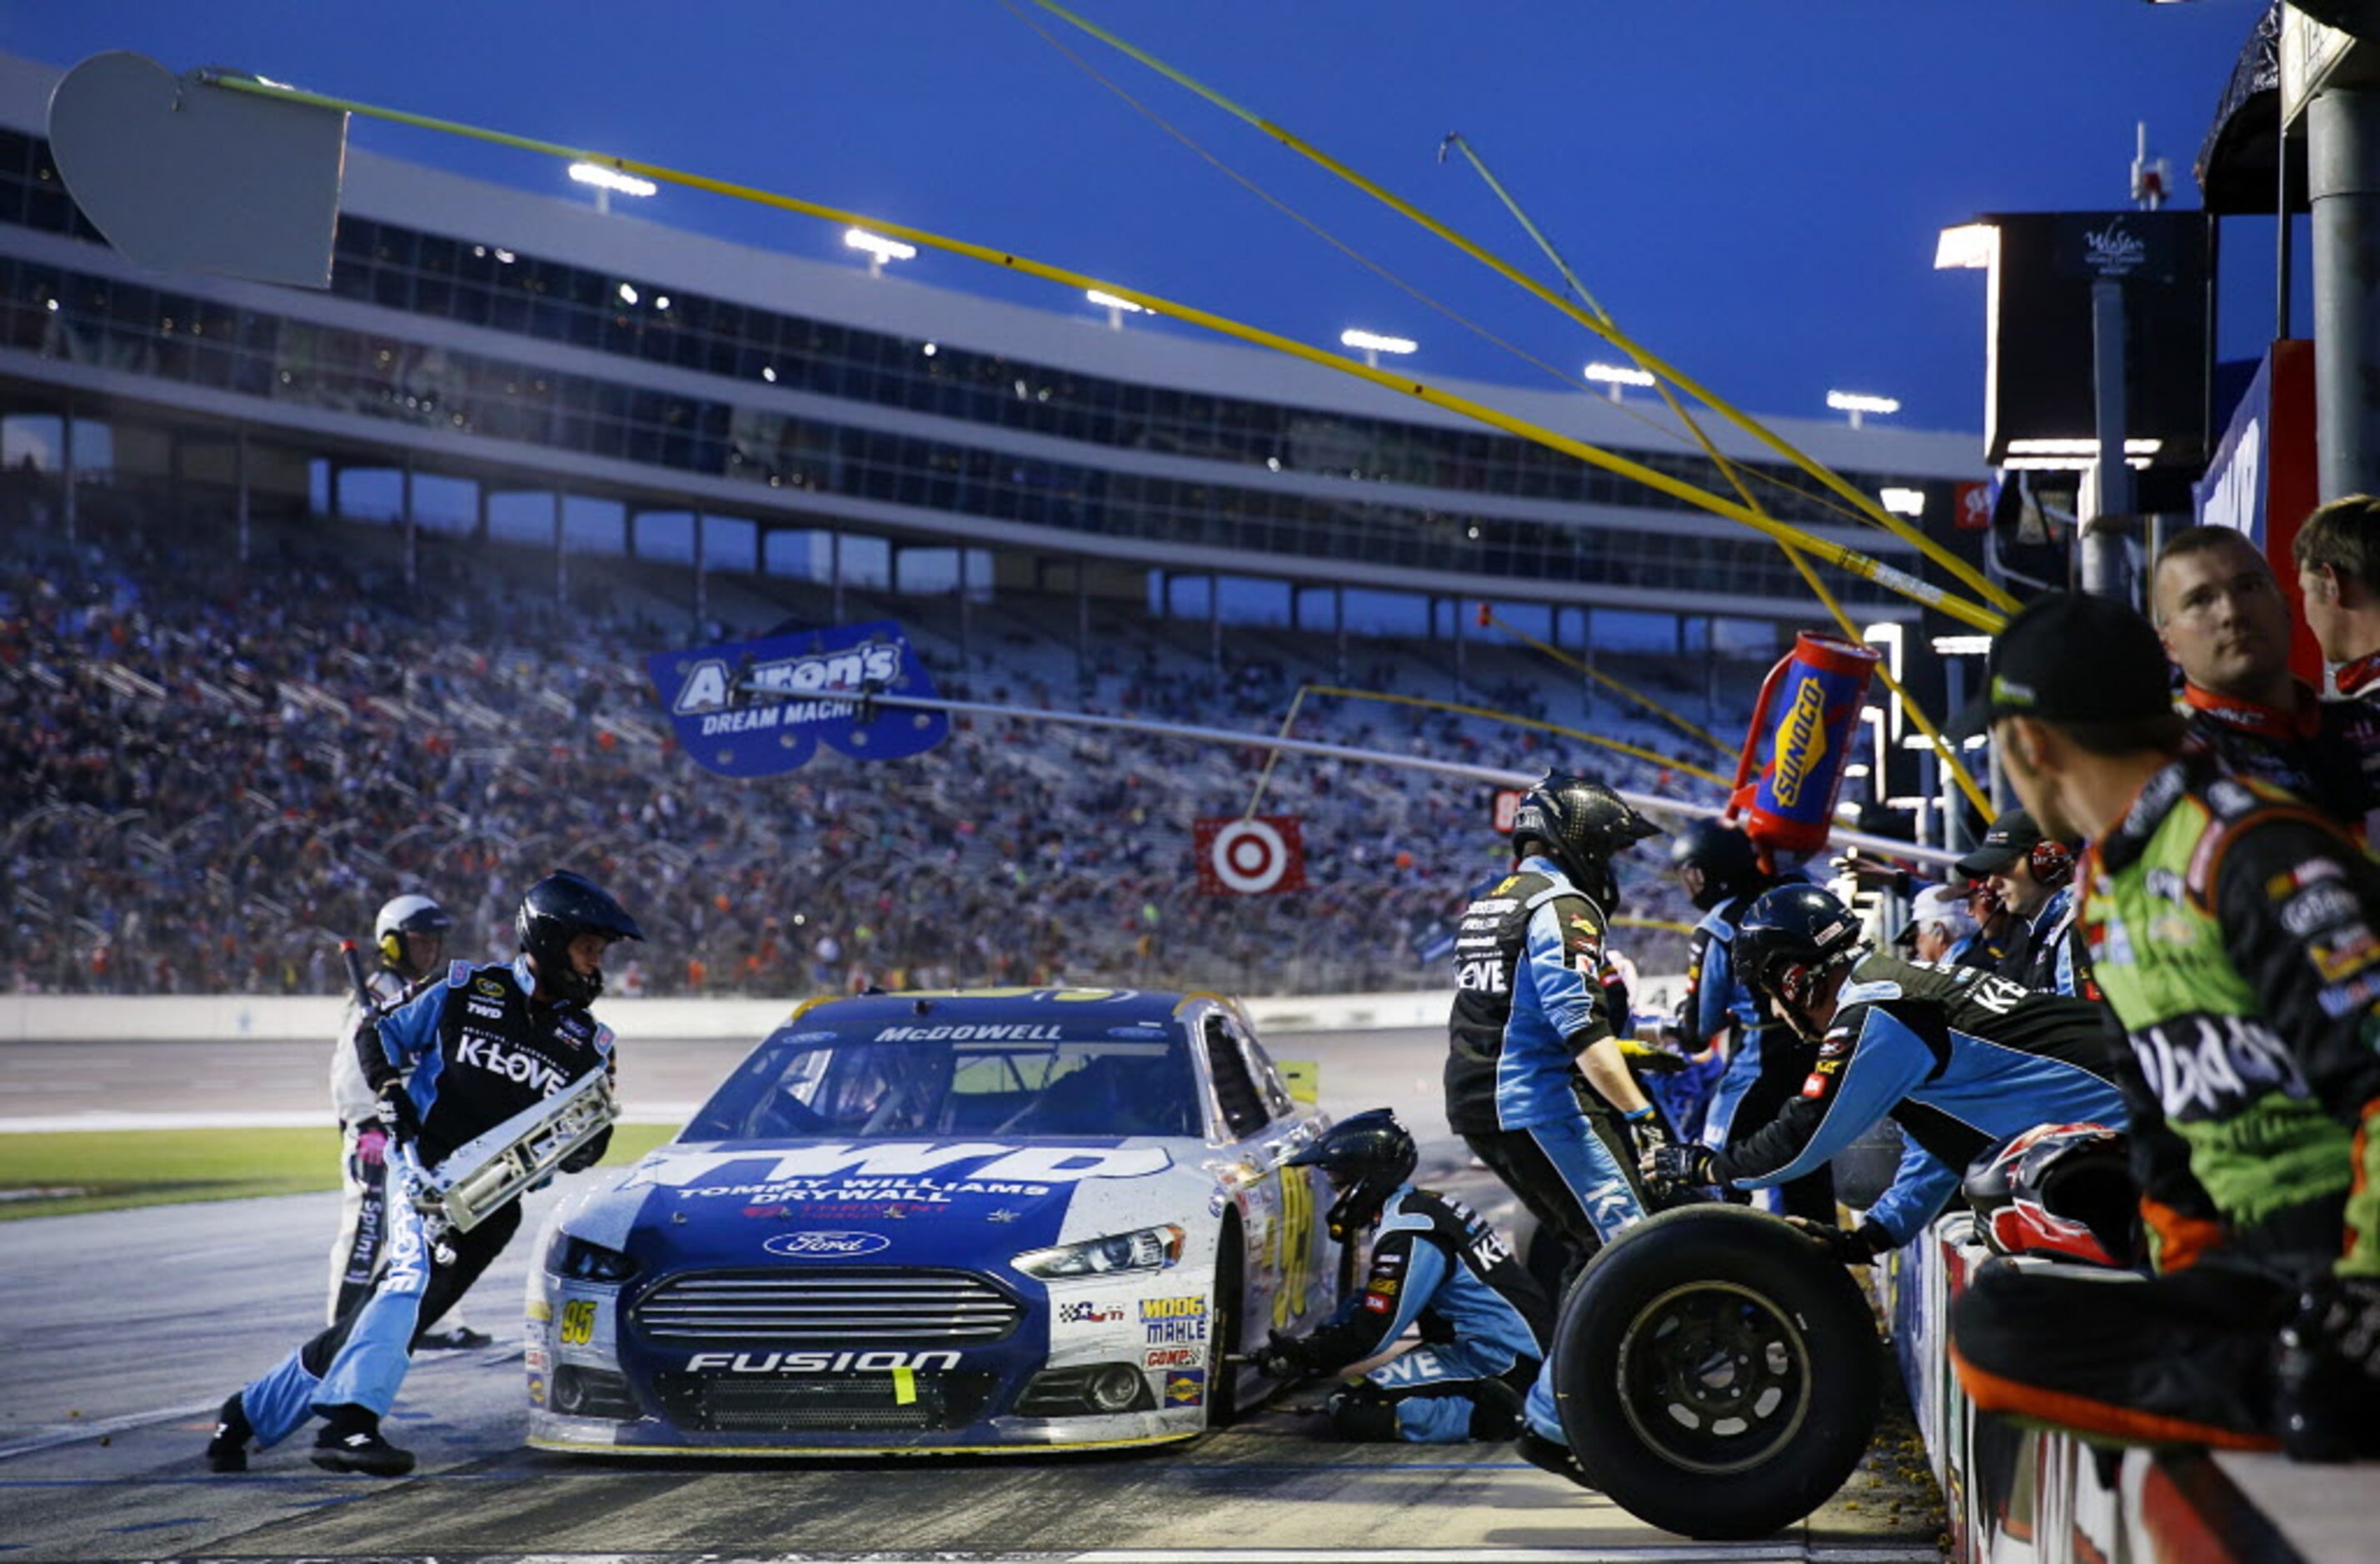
(142, 1018)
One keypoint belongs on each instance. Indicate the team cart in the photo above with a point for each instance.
(993, 1221)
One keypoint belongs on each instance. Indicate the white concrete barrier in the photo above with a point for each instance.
(143, 1018)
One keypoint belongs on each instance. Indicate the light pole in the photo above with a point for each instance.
(1617, 376)
(1372, 344)
(1117, 309)
(609, 181)
(878, 248)
(1859, 404)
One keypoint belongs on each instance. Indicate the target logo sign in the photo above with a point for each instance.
(1255, 855)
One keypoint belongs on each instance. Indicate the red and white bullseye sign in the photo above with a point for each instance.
(1250, 856)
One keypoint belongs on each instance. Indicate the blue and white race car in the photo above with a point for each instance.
(1012, 1218)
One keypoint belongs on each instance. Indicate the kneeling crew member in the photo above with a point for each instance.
(452, 1063)
(1484, 1323)
(1959, 1059)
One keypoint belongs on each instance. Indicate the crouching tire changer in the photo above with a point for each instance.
(1436, 1264)
(485, 1077)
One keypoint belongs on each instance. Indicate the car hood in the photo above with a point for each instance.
(945, 1203)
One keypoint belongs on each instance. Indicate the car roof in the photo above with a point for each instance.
(1113, 1006)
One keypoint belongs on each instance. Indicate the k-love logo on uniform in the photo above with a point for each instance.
(762, 707)
(1250, 856)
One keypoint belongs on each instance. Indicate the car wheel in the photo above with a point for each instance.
(1717, 1374)
(1224, 1347)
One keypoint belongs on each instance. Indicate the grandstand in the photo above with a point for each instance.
(313, 596)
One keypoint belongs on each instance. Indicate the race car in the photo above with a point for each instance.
(998, 1220)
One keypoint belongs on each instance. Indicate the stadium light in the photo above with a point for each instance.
(1858, 403)
(1904, 502)
(2143, 447)
(1372, 344)
(878, 248)
(1117, 309)
(609, 182)
(1617, 376)
(1969, 244)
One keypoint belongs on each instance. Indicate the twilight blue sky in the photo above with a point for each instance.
(1752, 187)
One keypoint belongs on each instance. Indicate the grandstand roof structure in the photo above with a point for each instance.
(526, 347)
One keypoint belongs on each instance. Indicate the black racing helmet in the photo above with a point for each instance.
(2063, 1191)
(557, 910)
(1582, 826)
(1364, 1157)
(1724, 854)
(1792, 935)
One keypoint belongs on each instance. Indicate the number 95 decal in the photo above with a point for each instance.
(577, 1326)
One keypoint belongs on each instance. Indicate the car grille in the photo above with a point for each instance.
(845, 1403)
(843, 1308)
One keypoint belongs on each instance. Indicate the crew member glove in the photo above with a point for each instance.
(396, 1113)
(1644, 1056)
(2327, 1372)
(1284, 1357)
(1680, 1167)
(1855, 1247)
(1646, 1127)
(372, 1144)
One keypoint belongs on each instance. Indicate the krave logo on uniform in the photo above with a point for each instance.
(513, 1064)
(827, 1245)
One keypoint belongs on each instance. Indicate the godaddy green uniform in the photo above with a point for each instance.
(2231, 928)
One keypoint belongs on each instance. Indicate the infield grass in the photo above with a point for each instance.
(56, 1175)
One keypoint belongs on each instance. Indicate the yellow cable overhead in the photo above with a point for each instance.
(1846, 559)
(1867, 507)
(1651, 756)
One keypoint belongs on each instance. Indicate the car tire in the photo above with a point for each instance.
(1223, 1373)
(1717, 1374)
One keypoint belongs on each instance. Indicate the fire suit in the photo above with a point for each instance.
(469, 1052)
(363, 1179)
(2316, 749)
(1528, 957)
(2231, 926)
(1957, 1058)
(1767, 1060)
(1439, 1265)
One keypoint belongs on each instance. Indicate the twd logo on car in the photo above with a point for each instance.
(827, 1245)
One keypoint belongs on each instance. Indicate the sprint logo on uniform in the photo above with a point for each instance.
(513, 1064)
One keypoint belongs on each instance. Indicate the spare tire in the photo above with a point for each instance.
(1716, 1373)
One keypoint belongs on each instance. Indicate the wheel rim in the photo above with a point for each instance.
(1714, 1377)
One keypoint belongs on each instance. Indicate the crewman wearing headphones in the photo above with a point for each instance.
(2030, 882)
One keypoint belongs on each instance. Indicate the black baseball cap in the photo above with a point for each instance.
(2011, 837)
(2068, 657)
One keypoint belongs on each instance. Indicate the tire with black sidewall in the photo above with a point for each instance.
(1223, 1374)
(1717, 1374)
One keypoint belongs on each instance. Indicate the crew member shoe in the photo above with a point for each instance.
(453, 1339)
(1548, 1455)
(228, 1451)
(351, 1448)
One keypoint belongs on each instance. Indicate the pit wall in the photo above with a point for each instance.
(2019, 1496)
(51, 1018)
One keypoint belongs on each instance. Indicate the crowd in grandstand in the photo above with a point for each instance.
(222, 769)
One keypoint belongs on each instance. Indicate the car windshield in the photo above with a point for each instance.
(983, 1080)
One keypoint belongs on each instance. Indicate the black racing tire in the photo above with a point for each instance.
(1717, 1374)
(1224, 1347)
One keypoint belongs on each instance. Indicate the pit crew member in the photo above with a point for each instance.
(1435, 1264)
(2232, 928)
(1959, 1059)
(456, 1060)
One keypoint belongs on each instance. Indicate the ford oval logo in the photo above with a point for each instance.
(826, 1245)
